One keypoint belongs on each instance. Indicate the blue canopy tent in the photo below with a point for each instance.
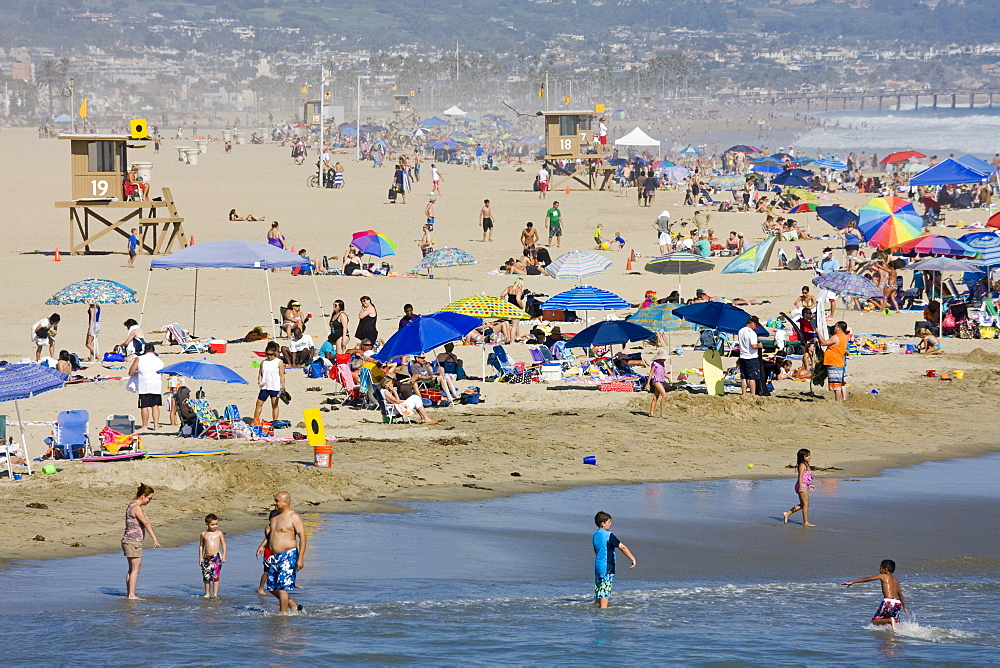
(228, 255)
(432, 122)
(949, 172)
(975, 163)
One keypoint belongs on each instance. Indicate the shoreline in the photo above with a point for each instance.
(241, 515)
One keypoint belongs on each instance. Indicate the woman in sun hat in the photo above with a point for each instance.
(657, 377)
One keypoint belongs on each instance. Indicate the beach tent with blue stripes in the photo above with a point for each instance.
(753, 259)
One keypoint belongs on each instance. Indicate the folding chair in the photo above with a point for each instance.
(177, 335)
(207, 419)
(71, 433)
(123, 424)
(804, 262)
(393, 412)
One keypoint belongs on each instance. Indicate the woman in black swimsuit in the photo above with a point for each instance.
(338, 325)
(367, 329)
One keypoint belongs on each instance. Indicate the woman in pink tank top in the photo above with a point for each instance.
(136, 527)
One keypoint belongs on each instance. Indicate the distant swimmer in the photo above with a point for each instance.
(892, 595)
(802, 486)
(605, 544)
(287, 542)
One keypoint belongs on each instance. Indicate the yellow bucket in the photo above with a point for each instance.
(959, 374)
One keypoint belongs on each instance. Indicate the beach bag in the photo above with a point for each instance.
(42, 333)
(392, 193)
(470, 395)
(281, 424)
(516, 378)
(114, 357)
(132, 384)
(316, 369)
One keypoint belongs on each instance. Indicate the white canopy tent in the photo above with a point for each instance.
(454, 111)
(637, 138)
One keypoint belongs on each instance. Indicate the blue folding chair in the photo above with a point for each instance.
(71, 432)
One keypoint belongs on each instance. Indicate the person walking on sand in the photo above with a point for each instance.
(211, 554)
(275, 237)
(136, 527)
(486, 220)
(149, 386)
(543, 180)
(892, 595)
(803, 483)
(749, 356)
(605, 544)
(553, 219)
(656, 380)
(435, 180)
(93, 329)
(429, 213)
(271, 380)
(133, 245)
(835, 358)
(286, 539)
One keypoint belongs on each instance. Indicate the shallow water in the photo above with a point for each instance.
(508, 581)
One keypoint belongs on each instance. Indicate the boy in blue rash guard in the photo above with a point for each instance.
(605, 544)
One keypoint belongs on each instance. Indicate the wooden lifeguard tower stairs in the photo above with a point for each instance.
(100, 205)
(569, 136)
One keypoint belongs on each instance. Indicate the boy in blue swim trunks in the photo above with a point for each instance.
(892, 595)
(211, 554)
(605, 544)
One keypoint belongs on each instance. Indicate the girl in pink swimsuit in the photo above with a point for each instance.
(802, 486)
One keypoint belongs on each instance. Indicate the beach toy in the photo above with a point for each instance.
(874, 391)
(959, 374)
(749, 466)
(17, 476)
(931, 373)
(49, 469)
(590, 460)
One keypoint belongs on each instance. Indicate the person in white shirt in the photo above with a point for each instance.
(543, 181)
(271, 380)
(43, 334)
(146, 369)
(299, 350)
(749, 356)
(435, 180)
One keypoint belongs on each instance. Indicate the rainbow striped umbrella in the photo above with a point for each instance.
(374, 243)
(807, 207)
(887, 222)
(486, 306)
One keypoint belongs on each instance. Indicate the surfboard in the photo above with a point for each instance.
(186, 453)
(162, 455)
(712, 368)
(115, 458)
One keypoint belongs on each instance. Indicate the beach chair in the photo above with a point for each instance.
(367, 389)
(123, 424)
(211, 425)
(177, 335)
(503, 372)
(71, 433)
(393, 412)
(118, 435)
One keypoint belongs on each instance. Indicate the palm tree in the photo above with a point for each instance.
(51, 74)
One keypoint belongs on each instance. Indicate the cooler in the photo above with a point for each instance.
(217, 346)
(552, 372)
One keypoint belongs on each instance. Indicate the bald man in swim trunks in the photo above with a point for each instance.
(287, 542)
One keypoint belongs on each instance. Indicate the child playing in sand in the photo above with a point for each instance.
(929, 344)
(211, 554)
(802, 486)
(605, 544)
(599, 238)
(619, 240)
(892, 595)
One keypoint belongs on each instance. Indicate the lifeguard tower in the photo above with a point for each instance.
(570, 137)
(312, 113)
(99, 166)
(403, 109)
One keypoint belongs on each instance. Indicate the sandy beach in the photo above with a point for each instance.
(540, 432)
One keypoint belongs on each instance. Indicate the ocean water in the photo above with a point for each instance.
(719, 579)
(938, 132)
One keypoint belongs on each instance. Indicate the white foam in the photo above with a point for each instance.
(926, 633)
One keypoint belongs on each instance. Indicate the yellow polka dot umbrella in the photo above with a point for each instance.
(486, 306)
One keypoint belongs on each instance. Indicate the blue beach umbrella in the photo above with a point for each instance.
(203, 369)
(716, 315)
(848, 284)
(829, 163)
(427, 332)
(94, 291)
(836, 215)
(987, 244)
(790, 181)
(768, 166)
(610, 332)
(22, 381)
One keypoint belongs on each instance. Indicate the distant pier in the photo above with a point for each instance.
(894, 100)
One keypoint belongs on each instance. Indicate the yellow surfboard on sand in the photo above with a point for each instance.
(712, 368)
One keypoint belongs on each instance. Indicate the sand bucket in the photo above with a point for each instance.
(931, 373)
(959, 374)
(49, 469)
(323, 456)
(590, 460)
